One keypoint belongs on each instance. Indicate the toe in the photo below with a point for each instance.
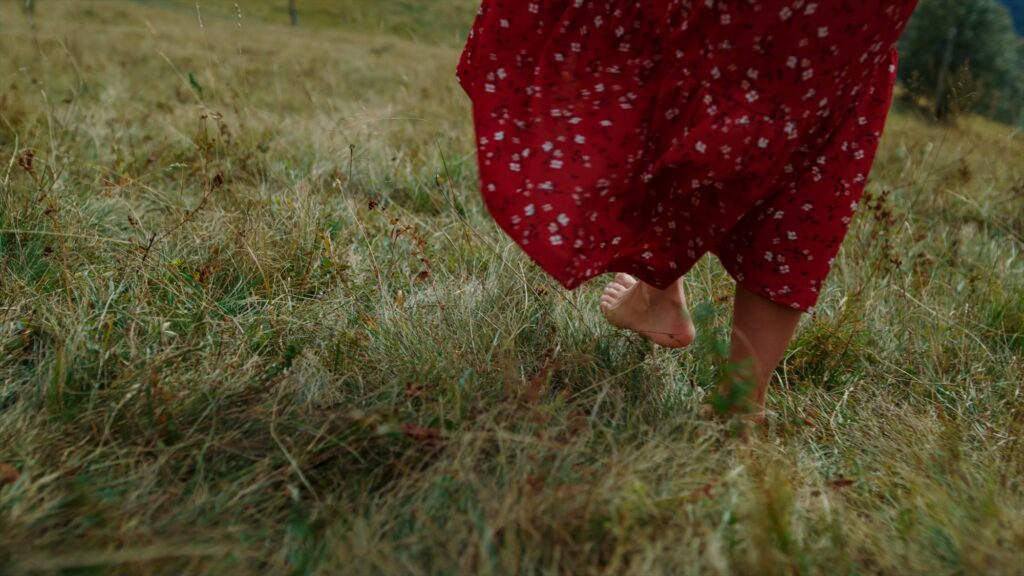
(613, 288)
(625, 279)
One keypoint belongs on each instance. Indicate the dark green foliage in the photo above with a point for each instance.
(986, 71)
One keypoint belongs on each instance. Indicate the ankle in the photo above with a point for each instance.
(672, 295)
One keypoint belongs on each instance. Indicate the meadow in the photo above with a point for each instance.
(255, 319)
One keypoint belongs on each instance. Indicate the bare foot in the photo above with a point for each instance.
(658, 315)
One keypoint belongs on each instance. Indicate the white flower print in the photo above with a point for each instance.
(590, 112)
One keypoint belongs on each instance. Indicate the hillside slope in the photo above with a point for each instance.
(428, 21)
(256, 320)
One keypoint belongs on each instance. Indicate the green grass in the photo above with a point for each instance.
(255, 319)
(430, 21)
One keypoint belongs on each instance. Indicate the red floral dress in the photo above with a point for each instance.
(635, 136)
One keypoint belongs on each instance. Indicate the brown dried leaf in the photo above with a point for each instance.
(421, 434)
(8, 474)
(536, 483)
(414, 391)
(842, 482)
(535, 387)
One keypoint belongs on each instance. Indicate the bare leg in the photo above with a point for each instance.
(762, 330)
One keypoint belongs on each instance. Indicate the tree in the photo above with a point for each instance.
(293, 12)
(966, 55)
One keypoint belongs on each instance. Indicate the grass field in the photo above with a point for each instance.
(254, 318)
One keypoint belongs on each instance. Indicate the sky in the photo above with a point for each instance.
(1017, 10)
